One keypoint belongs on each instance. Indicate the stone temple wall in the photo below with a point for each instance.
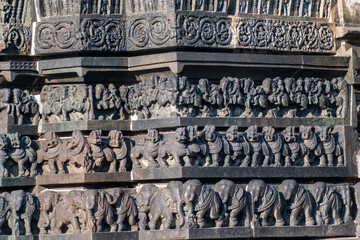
(179, 119)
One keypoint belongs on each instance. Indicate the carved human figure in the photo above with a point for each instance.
(329, 148)
(235, 200)
(101, 153)
(299, 201)
(120, 147)
(125, 208)
(48, 201)
(199, 201)
(252, 147)
(21, 206)
(21, 151)
(266, 201)
(146, 147)
(328, 204)
(51, 153)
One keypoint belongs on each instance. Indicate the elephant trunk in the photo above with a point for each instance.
(180, 213)
(46, 219)
(189, 207)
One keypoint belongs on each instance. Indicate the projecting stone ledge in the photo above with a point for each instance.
(237, 172)
(210, 233)
(82, 178)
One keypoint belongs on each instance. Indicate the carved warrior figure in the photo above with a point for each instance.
(266, 201)
(200, 200)
(300, 201)
(328, 204)
(235, 200)
(16, 207)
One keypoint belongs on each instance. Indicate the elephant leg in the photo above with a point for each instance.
(121, 219)
(133, 222)
(246, 161)
(122, 165)
(294, 216)
(337, 217)
(325, 211)
(340, 160)
(2, 221)
(264, 216)
(154, 218)
(98, 224)
(200, 218)
(247, 216)
(322, 161)
(233, 221)
(330, 158)
(279, 219)
(215, 160)
(2, 170)
(255, 157)
(142, 220)
(309, 216)
(168, 219)
(75, 225)
(27, 223)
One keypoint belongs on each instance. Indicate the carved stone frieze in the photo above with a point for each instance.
(157, 97)
(193, 204)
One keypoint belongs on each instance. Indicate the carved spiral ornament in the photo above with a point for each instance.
(139, 34)
(159, 31)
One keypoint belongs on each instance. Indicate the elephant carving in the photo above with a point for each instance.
(98, 210)
(120, 147)
(48, 201)
(143, 200)
(51, 153)
(200, 200)
(67, 212)
(21, 206)
(266, 201)
(345, 191)
(147, 148)
(164, 203)
(101, 153)
(328, 203)
(299, 201)
(235, 200)
(125, 207)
